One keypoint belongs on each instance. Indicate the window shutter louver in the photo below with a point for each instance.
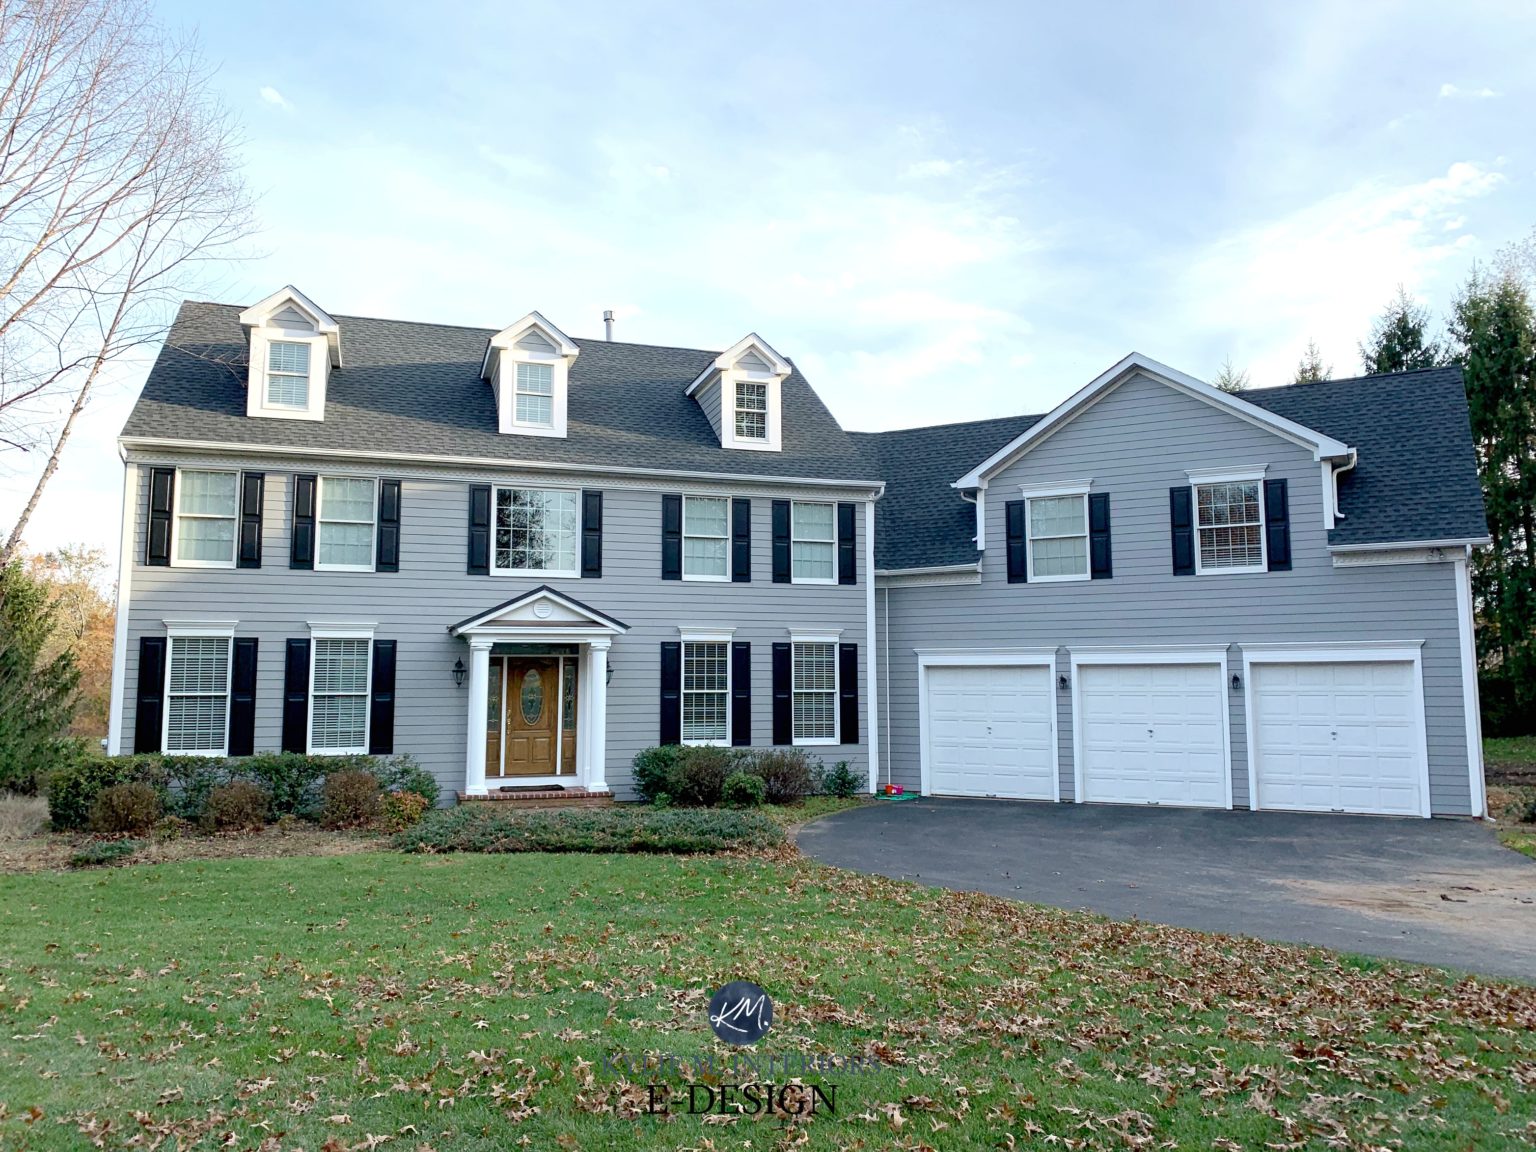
(1018, 561)
(741, 540)
(1277, 524)
(296, 696)
(387, 554)
(1181, 519)
(1100, 561)
(253, 488)
(781, 541)
(149, 709)
(242, 697)
(783, 694)
(479, 530)
(671, 537)
(301, 553)
(847, 549)
(741, 694)
(162, 493)
(381, 700)
(847, 693)
(591, 535)
(671, 728)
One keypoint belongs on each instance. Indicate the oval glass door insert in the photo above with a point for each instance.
(531, 697)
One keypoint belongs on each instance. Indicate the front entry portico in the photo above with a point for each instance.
(538, 693)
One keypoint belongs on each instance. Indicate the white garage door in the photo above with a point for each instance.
(1339, 737)
(989, 732)
(1152, 734)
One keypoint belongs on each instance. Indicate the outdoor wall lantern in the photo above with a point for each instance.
(458, 673)
(1062, 682)
(609, 678)
(1237, 682)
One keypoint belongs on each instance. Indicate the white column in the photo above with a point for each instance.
(479, 687)
(597, 754)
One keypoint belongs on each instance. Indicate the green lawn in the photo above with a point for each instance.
(467, 1002)
(1518, 750)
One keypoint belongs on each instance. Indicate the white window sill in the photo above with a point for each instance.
(708, 579)
(726, 743)
(819, 742)
(813, 580)
(211, 752)
(202, 563)
(1033, 579)
(1248, 571)
(516, 429)
(319, 567)
(361, 750)
(536, 573)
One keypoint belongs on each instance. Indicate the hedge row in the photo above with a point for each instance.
(705, 776)
(294, 783)
(492, 828)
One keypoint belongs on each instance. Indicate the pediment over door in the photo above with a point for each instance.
(541, 611)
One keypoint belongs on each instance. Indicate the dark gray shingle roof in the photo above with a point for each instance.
(416, 388)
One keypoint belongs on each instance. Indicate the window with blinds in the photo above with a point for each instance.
(815, 693)
(197, 695)
(705, 687)
(338, 701)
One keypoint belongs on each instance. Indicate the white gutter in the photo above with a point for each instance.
(1393, 545)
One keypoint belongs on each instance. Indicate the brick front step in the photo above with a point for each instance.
(543, 798)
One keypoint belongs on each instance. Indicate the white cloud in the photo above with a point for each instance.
(274, 97)
(1452, 92)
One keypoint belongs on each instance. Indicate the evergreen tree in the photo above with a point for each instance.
(1311, 368)
(37, 692)
(1493, 329)
(1230, 379)
(1399, 340)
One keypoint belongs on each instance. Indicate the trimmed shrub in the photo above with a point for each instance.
(293, 781)
(350, 799)
(126, 808)
(490, 828)
(403, 810)
(74, 788)
(238, 806)
(403, 774)
(842, 782)
(701, 774)
(655, 771)
(787, 773)
(189, 781)
(743, 790)
(103, 852)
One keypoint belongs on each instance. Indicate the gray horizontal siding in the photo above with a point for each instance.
(431, 591)
(1136, 444)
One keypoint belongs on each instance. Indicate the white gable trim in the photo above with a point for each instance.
(509, 336)
(258, 315)
(540, 612)
(1322, 447)
(751, 342)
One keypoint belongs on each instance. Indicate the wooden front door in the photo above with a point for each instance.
(531, 718)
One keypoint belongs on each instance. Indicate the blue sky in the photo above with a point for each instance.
(941, 212)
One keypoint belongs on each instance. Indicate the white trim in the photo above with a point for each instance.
(705, 578)
(705, 635)
(830, 639)
(1243, 474)
(1389, 545)
(871, 643)
(257, 315)
(1079, 491)
(233, 518)
(1471, 706)
(1355, 652)
(221, 627)
(815, 635)
(509, 336)
(1166, 654)
(258, 371)
(125, 557)
(591, 632)
(320, 522)
(941, 577)
(339, 632)
(340, 629)
(1224, 476)
(1382, 557)
(830, 541)
(713, 636)
(1065, 488)
(981, 520)
(979, 658)
(184, 632)
(751, 342)
(572, 573)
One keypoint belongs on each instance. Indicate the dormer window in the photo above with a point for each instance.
(294, 348)
(528, 366)
(740, 394)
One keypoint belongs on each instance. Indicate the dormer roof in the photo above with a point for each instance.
(289, 304)
(534, 325)
(758, 355)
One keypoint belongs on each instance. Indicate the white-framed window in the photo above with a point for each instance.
(814, 685)
(706, 538)
(706, 691)
(197, 695)
(288, 374)
(1229, 526)
(1057, 536)
(534, 395)
(345, 535)
(338, 694)
(207, 505)
(536, 531)
(751, 410)
(813, 543)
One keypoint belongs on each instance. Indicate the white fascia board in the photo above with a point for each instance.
(508, 336)
(258, 314)
(751, 342)
(1321, 446)
(1392, 545)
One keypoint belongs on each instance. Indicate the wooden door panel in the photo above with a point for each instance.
(531, 714)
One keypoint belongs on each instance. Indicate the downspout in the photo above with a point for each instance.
(885, 654)
(1354, 458)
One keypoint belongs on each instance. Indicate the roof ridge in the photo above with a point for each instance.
(1351, 379)
(953, 424)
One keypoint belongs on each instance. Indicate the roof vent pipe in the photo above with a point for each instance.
(608, 325)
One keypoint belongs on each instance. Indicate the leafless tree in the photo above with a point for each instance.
(118, 178)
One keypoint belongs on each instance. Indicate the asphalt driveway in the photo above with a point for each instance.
(1431, 891)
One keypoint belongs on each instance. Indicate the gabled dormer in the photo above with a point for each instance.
(529, 367)
(740, 393)
(294, 347)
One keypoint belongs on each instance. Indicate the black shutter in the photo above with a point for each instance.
(381, 702)
(1100, 561)
(1018, 562)
(847, 693)
(671, 537)
(149, 710)
(781, 541)
(242, 698)
(386, 556)
(162, 491)
(1277, 525)
(783, 694)
(301, 552)
(847, 553)
(741, 540)
(591, 534)
(1181, 519)
(741, 693)
(296, 696)
(671, 730)
(479, 530)
(253, 487)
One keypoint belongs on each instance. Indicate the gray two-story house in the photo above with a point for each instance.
(522, 558)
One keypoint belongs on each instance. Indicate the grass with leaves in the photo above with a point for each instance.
(467, 1002)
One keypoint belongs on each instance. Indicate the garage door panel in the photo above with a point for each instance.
(989, 732)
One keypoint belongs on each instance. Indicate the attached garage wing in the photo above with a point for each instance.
(989, 729)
